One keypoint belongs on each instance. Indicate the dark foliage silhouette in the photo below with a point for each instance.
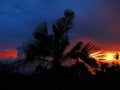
(44, 45)
(81, 50)
(5, 69)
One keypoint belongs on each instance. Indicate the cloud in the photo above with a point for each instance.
(8, 53)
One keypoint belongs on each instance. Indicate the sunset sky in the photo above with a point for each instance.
(96, 20)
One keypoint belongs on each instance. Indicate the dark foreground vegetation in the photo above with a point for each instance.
(55, 68)
(34, 82)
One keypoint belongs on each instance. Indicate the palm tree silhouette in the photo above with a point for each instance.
(44, 45)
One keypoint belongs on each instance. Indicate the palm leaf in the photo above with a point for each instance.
(82, 51)
(30, 49)
(41, 31)
(88, 60)
(64, 24)
(60, 30)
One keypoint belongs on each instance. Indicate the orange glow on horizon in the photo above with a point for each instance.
(8, 53)
(105, 56)
(109, 56)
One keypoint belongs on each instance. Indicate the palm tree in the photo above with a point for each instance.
(44, 45)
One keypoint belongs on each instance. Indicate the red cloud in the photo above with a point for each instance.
(7, 53)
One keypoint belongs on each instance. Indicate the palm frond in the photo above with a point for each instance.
(81, 50)
(60, 30)
(41, 31)
(30, 49)
(41, 45)
(73, 51)
(65, 23)
(77, 47)
(88, 60)
(69, 16)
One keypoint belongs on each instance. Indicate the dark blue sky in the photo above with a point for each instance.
(97, 20)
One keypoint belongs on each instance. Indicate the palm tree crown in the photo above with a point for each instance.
(45, 45)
